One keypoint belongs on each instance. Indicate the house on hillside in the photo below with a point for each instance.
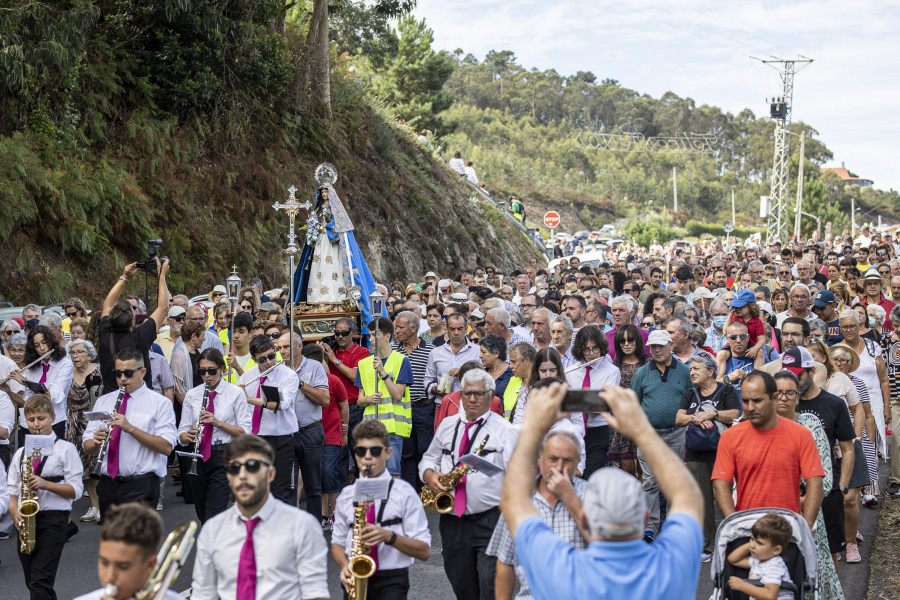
(849, 178)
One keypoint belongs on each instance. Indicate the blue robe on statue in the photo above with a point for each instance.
(332, 263)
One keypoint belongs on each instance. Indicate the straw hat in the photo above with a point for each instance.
(854, 357)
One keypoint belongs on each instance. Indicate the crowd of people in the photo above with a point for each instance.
(735, 378)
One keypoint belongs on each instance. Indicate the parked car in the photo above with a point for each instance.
(8, 311)
(582, 235)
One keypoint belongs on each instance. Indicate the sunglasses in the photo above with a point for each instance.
(360, 451)
(275, 335)
(129, 373)
(208, 371)
(72, 315)
(266, 358)
(252, 465)
(627, 340)
(179, 318)
(341, 333)
(742, 336)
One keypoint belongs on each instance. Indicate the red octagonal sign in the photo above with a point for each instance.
(551, 219)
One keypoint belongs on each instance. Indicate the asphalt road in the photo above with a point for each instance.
(78, 568)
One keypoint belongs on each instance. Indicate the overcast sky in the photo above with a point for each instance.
(701, 49)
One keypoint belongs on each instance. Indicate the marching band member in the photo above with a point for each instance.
(227, 415)
(52, 376)
(141, 436)
(397, 531)
(131, 536)
(260, 548)
(57, 480)
(466, 530)
(275, 423)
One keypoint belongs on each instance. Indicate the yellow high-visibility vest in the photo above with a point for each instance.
(395, 416)
(511, 396)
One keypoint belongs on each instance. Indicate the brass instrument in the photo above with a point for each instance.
(98, 469)
(203, 405)
(169, 560)
(362, 566)
(443, 502)
(28, 503)
(28, 366)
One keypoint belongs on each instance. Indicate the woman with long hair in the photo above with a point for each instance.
(630, 356)
(87, 386)
(493, 357)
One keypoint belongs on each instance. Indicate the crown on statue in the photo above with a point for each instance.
(326, 174)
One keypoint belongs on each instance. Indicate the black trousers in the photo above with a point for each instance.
(5, 456)
(415, 446)
(209, 487)
(184, 465)
(142, 488)
(356, 415)
(465, 540)
(596, 445)
(391, 584)
(309, 446)
(833, 514)
(283, 484)
(58, 428)
(40, 566)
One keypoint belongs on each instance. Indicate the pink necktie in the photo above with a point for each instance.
(44, 375)
(586, 384)
(459, 499)
(246, 577)
(37, 466)
(257, 410)
(112, 460)
(206, 442)
(370, 518)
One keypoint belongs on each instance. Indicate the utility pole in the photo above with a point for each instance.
(675, 187)
(733, 220)
(780, 110)
(853, 217)
(799, 209)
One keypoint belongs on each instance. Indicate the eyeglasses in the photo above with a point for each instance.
(266, 358)
(200, 319)
(208, 371)
(275, 335)
(179, 318)
(128, 373)
(246, 307)
(840, 361)
(736, 337)
(341, 333)
(789, 394)
(77, 353)
(523, 305)
(473, 394)
(815, 338)
(361, 451)
(252, 465)
(882, 254)
(648, 324)
(72, 315)
(8, 332)
(592, 350)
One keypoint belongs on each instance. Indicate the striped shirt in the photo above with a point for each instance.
(418, 360)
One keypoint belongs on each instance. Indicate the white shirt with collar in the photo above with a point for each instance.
(149, 412)
(402, 503)
(7, 366)
(603, 372)
(442, 360)
(4, 490)
(575, 419)
(7, 418)
(290, 550)
(274, 422)
(229, 406)
(98, 594)
(64, 462)
(58, 382)
(312, 374)
(482, 492)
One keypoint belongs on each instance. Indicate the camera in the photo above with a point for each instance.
(149, 264)
(331, 341)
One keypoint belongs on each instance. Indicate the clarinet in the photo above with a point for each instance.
(95, 474)
(203, 406)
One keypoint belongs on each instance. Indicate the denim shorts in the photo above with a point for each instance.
(332, 478)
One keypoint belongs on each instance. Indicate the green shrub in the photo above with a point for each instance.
(644, 232)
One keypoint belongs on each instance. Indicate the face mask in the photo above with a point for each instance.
(719, 321)
(872, 322)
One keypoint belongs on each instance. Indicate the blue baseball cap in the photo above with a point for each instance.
(824, 298)
(742, 298)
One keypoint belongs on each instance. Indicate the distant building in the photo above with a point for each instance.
(849, 178)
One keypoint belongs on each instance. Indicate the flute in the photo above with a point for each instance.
(203, 405)
(263, 374)
(97, 472)
(587, 364)
(28, 366)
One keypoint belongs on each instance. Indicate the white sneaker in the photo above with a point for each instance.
(93, 514)
(159, 505)
(326, 524)
(705, 557)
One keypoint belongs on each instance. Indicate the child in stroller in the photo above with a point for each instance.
(768, 537)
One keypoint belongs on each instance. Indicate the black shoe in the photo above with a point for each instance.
(71, 530)
(893, 489)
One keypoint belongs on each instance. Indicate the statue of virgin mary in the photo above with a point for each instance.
(331, 262)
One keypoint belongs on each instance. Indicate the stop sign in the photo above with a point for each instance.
(551, 219)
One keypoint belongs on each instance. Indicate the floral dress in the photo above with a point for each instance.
(621, 447)
(829, 584)
(81, 398)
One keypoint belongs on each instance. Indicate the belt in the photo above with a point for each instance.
(663, 430)
(421, 402)
(311, 426)
(124, 478)
(277, 438)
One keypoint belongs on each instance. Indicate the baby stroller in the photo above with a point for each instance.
(799, 556)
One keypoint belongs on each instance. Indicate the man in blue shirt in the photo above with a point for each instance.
(617, 563)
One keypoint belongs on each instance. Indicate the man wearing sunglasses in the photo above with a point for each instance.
(275, 422)
(733, 362)
(176, 319)
(397, 532)
(141, 436)
(260, 548)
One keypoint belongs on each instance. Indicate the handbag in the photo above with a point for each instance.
(698, 439)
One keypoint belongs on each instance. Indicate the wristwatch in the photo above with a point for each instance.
(845, 490)
(338, 362)
(123, 278)
(388, 376)
(393, 539)
(300, 387)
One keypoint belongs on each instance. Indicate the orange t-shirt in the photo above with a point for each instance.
(768, 465)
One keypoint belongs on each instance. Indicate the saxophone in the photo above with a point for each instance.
(28, 503)
(443, 502)
(362, 566)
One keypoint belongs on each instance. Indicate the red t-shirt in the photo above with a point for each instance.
(331, 414)
(767, 464)
(350, 358)
(450, 406)
(755, 328)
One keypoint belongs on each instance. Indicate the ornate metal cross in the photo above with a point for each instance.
(292, 207)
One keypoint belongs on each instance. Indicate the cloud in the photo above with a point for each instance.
(701, 49)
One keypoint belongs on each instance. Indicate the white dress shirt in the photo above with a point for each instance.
(64, 462)
(442, 360)
(290, 550)
(603, 372)
(7, 366)
(403, 502)
(312, 374)
(98, 594)
(148, 411)
(4, 491)
(482, 492)
(7, 418)
(274, 422)
(229, 406)
(58, 382)
(575, 419)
